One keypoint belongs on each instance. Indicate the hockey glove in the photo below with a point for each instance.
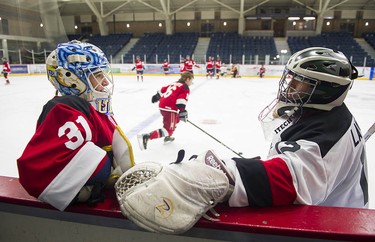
(183, 115)
(155, 98)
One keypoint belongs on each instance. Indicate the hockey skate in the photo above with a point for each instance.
(142, 140)
(168, 139)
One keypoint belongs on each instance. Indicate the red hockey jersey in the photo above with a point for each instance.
(182, 67)
(209, 64)
(139, 65)
(6, 67)
(189, 64)
(218, 64)
(174, 97)
(67, 149)
(165, 65)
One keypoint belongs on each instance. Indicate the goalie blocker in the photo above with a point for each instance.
(172, 198)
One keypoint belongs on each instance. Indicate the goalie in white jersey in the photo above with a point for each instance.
(317, 156)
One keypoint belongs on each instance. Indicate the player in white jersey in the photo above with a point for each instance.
(317, 155)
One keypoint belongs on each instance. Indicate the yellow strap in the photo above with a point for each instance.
(129, 145)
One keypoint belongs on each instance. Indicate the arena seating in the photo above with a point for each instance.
(152, 44)
(342, 41)
(229, 46)
(76, 36)
(224, 44)
(176, 45)
(370, 38)
(111, 44)
(144, 47)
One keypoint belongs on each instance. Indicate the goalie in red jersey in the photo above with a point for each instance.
(172, 104)
(77, 148)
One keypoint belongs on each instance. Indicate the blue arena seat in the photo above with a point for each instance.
(231, 44)
(342, 41)
(111, 44)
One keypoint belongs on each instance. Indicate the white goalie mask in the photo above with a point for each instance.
(317, 78)
(82, 69)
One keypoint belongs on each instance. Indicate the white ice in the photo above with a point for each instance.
(226, 108)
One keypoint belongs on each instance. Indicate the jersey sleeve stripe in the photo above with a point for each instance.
(65, 186)
(256, 182)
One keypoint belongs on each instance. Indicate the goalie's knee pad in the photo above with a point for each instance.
(170, 198)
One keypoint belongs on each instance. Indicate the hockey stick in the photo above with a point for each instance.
(216, 139)
(369, 132)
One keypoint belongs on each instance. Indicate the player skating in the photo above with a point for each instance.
(77, 148)
(209, 67)
(172, 105)
(182, 66)
(262, 71)
(190, 64)
(218, 67)
(317, 154)
(6, 70)
(165, 67)
(139, 67)
(235, 73)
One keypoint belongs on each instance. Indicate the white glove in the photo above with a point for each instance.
(170, 198)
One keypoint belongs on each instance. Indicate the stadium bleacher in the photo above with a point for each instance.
(111, 44)
(370, 38)
(155, 47)
(176, 45)
(231, 46)
(342, 41)
(144, 47)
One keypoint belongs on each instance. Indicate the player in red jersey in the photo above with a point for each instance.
(209, 67)
(6, 70)
(172, 105)
(165, 67)
(218, 67)
(182, 66)
(189, 64)
(139, 67)
(77, 148)
(262, 71)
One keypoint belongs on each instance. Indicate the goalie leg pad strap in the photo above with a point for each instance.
(172, 198)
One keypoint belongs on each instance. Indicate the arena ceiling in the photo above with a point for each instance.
(108, 7)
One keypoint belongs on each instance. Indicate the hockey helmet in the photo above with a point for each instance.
(81, 69)
(317, 78)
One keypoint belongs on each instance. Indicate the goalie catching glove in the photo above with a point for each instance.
(172, 198)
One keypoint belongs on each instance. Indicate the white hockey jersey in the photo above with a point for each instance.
(319, 160)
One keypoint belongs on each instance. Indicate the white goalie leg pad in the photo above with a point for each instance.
(170, 198)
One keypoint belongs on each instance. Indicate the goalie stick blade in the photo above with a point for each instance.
(369, 132)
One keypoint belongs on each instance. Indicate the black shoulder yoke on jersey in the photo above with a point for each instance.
(324, 128)
(75, 102)
(185, 85)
